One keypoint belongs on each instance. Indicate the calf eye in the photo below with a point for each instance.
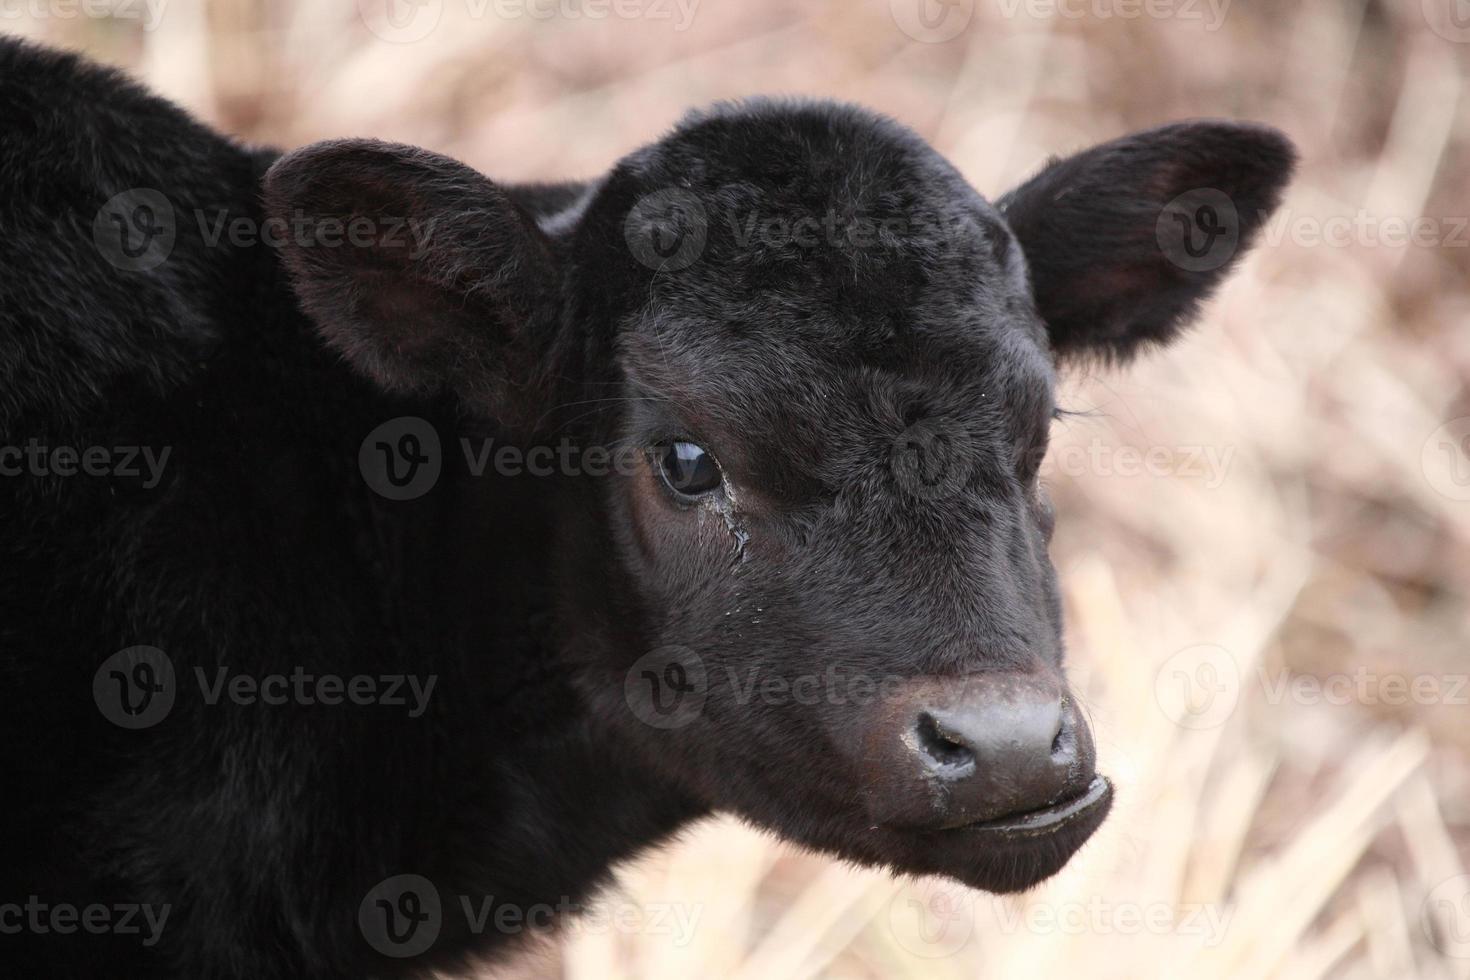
(687, 468)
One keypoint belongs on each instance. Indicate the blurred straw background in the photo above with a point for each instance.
(1264, 533)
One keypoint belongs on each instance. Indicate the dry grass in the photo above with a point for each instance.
(1271, 833)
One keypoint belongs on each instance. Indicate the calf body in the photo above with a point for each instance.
(261, 550)
(376, 707)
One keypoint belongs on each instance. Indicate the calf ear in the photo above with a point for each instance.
(421, 272)
(1126, 239)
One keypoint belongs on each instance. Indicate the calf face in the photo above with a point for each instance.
(825, 601)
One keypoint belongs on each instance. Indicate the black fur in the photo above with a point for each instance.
(525, 317)
(1100, 227)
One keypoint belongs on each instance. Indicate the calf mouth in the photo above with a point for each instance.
(1085, 809)
(1007, 854)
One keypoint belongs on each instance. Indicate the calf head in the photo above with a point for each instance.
(824, 600)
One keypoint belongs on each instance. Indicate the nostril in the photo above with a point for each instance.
(1064, 742)
(943, 748)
